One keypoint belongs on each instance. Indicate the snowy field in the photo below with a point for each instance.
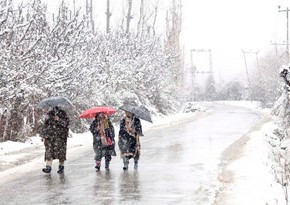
(246, 167)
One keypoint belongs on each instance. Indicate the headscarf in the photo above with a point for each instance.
(102, 125)
(129, 125)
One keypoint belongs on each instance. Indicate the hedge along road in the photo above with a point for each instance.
(178, 164)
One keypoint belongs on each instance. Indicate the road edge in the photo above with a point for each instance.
(236, 151)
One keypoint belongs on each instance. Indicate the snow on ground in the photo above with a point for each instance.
(246, 172)
(247, 177)
(253, 178)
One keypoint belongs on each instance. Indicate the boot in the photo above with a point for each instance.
(60, 169)
(47, 169)
(126, 163)
(98, 165)
(136, 164)
(107, 164)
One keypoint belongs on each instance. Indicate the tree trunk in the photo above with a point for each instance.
(129, 17)
(172, 45)
(108, 14)
(74, 3)
(91, 16)
(154, 22)
(140, 27)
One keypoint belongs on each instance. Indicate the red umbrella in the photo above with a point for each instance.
(91, 113)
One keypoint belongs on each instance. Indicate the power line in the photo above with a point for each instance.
(194, 70)
(287, 29)
(201, 50)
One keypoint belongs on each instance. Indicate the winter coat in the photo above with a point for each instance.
(129, 143)
(100, 147)
(55, 133)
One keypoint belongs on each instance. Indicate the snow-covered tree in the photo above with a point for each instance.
(172, 46)
(266, 83)
(232, 90)
(40, 59)
(21, 42)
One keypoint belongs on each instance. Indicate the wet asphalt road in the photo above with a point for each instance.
(178, 165)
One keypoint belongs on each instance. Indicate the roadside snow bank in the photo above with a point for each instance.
(246, 168)
(10, 146)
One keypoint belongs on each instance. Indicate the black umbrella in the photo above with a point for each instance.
(139, 112)
(58, 101)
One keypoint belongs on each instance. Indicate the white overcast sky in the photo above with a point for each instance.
(229, 26)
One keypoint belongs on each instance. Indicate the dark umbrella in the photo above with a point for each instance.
(58, 101)
(139, 112)
(91, 113)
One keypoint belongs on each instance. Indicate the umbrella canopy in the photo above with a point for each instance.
(58, 101)
(140, 112)
(91, 113)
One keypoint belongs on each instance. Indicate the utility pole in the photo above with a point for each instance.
(247, 73)
(257, 60)
(283, 54)
(287, 30)
(202, 50)
(194, 69)
(276, 45)
(246, 65)
(258, 66)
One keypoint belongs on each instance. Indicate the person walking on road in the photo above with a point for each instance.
(103, 140)
(54, 134)
(129, 139)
